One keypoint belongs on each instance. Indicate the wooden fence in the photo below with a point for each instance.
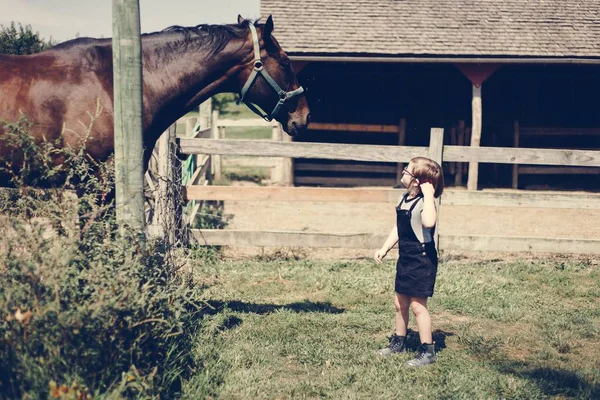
(397, 154)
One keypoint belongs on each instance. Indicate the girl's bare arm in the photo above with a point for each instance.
(429, 213)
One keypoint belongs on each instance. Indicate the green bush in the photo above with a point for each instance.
(21, 40)
(86, 309)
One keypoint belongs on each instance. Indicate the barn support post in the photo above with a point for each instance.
(460, 142)
(401, 142)
(515, 171)
(127, 84)
(477, 74)
(475, 136)
(436, 149)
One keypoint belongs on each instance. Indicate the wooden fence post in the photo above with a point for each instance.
(215, 158)
(127, 84)
(165, 216)
(436, 149)
(283, 171)
(277, 169)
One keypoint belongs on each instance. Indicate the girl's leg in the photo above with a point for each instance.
(402, 303)
(419, 307)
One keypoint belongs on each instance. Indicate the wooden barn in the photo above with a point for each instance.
(490, 72)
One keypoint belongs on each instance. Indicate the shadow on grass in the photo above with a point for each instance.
(551, 381)
(257, 308)
(439, 337)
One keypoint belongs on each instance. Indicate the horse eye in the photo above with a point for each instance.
(286, 63)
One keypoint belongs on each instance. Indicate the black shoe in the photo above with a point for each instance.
(425, 355)
(397, 345)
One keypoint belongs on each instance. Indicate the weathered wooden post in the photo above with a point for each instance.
(401, 142)
(215, 133)
(436, 149)
(127, 84)
(460, 142)
(515, 167)
(475, 136)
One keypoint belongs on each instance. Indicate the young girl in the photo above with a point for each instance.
(416, 268)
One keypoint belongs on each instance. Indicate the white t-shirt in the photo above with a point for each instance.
(424, 235)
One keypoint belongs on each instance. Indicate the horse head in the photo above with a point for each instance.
(269, 82)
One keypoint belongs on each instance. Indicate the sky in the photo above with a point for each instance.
(66, 19)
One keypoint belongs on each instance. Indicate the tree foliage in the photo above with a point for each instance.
(19, 39)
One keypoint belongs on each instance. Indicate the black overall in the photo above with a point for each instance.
(416, 268)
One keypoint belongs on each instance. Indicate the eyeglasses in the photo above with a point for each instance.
(405, 171)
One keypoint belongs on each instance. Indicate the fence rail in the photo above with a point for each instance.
(359, 152)
(397, 154)
(587, 201)
(232, 237)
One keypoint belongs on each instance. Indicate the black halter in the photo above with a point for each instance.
(260, 71)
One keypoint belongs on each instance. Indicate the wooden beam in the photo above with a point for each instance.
(321, 126)
(510, 155)
(344, 181)
(535, 199)
(201, 171)
(226, 237)
(202, 133)
(475, 136)
(334, 151)
(520, 244)
(558, 170)
(321, 167)
(330, 151)
(535, 131)
(243, 193)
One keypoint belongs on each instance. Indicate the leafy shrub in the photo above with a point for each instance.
(85, 309)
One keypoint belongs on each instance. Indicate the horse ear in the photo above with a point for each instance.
(268, 30)
(240, 19)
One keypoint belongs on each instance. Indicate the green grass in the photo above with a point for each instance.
(234, 111)
(243, 173)
(292, 328)
(251, 132)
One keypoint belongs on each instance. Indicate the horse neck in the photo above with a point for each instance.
(177, 80)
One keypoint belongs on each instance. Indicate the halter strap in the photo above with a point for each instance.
(260, 71)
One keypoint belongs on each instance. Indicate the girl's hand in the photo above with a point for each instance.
(379, 254)
(427, 189)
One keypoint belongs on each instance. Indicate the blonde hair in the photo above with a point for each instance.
(427, 170)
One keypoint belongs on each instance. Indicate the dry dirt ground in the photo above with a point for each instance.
(379, 218)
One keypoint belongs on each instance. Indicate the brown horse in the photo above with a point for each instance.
(60, 89)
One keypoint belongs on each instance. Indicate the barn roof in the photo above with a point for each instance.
(438, 28)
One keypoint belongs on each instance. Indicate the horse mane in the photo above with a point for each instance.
(215, 37)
